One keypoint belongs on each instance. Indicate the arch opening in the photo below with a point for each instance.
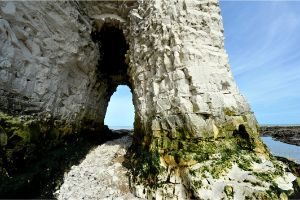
(120, 110)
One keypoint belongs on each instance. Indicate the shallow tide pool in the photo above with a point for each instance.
(282, 149)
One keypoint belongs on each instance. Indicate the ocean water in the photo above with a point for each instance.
(120, 127)
(282, 149)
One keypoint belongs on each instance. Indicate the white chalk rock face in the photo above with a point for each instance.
(193, 129)
(47, 56)
(50, 62)
(190, 115)
(180, 68)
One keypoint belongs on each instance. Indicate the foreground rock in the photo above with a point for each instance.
(286, 134)
(100, 175)
(39, 175)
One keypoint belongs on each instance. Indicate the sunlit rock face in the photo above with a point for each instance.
(50, 58)
(201, 133)
(180, 73)
(195, 135)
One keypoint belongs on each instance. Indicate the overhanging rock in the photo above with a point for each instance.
(195, 135)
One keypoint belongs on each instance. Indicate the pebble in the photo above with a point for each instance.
(100, 175)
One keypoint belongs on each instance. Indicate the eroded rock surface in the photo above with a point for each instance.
(53, 81)
(102, 175)
(199, 118)
(61, 61)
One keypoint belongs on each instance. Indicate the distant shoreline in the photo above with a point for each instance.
(279, 125)
(120, 127)
(261, 125)
(286, 134)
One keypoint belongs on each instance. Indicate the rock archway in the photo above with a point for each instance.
(112, 68)
(193, 128)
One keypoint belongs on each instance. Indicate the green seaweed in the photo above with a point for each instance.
(145, 166)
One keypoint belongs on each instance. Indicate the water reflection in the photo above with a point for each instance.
(282, 149)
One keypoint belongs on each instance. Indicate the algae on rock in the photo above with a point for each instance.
(194, 131)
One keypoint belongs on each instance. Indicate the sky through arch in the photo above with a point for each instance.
(120, 111)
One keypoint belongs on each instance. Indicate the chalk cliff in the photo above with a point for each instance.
(195, 135)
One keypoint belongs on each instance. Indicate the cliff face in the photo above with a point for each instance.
(49, 62)
(61, 61)
(47, 58)
(180, 73)
(53, 81)
(189, 113)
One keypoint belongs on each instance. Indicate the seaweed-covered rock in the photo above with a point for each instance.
(60, 62)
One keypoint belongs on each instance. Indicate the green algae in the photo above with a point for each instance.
(228, 190)
(229, 111)
(186, 151)
(13, 126)
(245, 163)
(23, 137)
(145, 166)
(210, 156)
(197, 184)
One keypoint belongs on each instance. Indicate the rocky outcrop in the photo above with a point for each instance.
(49, 61)
(102, 175)
(194, 132)
(53, 81)
(286, 134)
(190, 114)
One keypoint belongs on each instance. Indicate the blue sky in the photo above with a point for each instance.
(120, 111)
(262, 39)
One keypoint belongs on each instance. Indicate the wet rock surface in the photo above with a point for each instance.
(286, 134)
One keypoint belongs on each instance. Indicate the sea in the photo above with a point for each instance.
(281, 149)
(120, 127)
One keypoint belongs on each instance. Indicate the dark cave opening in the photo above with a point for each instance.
(244, 140)
(241, 132)
(112, 48)
(112, 72)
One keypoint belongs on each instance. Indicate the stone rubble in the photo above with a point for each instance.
(100, 175)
